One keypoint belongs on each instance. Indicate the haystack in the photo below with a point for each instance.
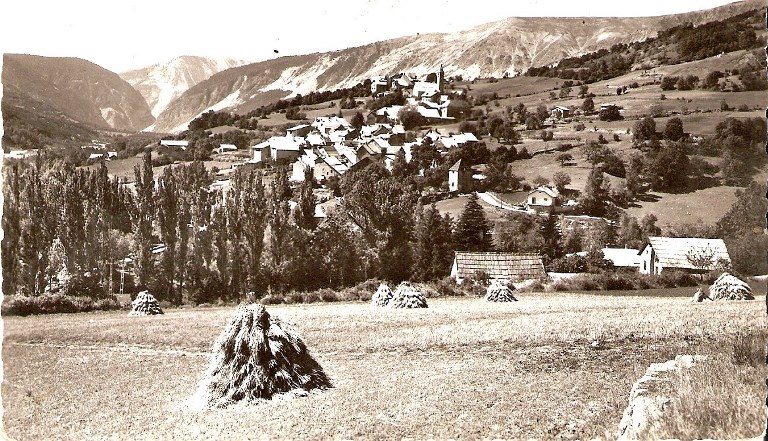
(145, 304)
(257, 357)
(729, 287)
(382, 296)
(499, 292)
(406, 296)
(699, 296)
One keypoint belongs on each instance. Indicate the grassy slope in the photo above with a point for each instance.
(462, 368)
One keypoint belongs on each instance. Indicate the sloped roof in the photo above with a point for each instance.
(672, 252)
(505, 266)
(458, 166)
(552, 192)
(622, 257)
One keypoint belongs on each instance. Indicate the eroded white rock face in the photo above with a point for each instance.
(645, 410)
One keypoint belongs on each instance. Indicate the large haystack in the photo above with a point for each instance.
(406, 296)
(729, 287)
(382, 296)
(145, 304)
(499, 292)
(257, 357)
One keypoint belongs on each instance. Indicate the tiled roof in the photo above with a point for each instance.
(505, 266)
(672, 252)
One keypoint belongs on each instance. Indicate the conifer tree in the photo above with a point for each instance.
(472, 230)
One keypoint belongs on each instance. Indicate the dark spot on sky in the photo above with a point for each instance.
(276, 51)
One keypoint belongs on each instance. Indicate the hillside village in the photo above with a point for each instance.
(581, 174)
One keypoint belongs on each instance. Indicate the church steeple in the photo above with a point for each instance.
(440, 78)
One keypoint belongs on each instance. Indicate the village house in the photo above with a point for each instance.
(223, 148)
(560, 112)
(497, 266)
(174, 143)
(460, 177)
(683, 253)
(453, 141)
(301, 130)
(545, 197)
(378, 85)
(278, 148)
(328, 124)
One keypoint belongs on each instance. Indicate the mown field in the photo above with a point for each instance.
(461, 369)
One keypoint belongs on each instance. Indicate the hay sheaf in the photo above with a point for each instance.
(729, 287)
(382, 296)
(145, 304)
(406, 296)
(257, 357)
(498, 292)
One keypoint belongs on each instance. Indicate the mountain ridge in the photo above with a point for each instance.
(505, 47)
(163, 82)
(78, 88)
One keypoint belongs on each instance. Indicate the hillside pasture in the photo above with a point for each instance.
(462, 368)
(708, 205)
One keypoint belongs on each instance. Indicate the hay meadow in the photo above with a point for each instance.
(463, 368)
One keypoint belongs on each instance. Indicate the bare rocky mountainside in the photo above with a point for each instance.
(162, 83)
(508, 46)
(80, 90)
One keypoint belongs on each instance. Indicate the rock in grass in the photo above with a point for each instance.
(382, 296)
(257, 357)
(644, 414)
(145, 304)
(729, 287)
(406, 296)
(499, 292)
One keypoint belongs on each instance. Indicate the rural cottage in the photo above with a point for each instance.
(685, 253)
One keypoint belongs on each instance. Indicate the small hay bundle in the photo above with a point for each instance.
(699, 296)
(257, 357)
(730, 287)
(406, 296)
(145, 304)
(382, 296)
(499, 292)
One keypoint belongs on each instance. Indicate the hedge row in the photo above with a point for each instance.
(54, 303)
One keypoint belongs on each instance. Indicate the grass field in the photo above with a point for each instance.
(461, 369)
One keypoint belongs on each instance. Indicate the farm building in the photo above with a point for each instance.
(278, 147)
(226, 148)
(460, 177)
(560, 112)
(174, 143)
(544, 197)
(497, 266)
(685, 253)
(622, 257)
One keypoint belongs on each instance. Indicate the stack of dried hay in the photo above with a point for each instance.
(382, 296)
(729, 287)
(257, 357)
(145, 304)
(699, 296)
(499, 292)
(406, 296)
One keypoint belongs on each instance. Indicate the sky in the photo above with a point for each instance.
(126, 35)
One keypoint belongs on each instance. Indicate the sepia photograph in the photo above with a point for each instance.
(384, 219)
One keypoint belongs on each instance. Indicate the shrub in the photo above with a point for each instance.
(271, 299)
(294, 297)
(54, 304)
(328, 295)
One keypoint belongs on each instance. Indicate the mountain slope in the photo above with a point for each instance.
(508, 46)
(79, 89)
(162, 83)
